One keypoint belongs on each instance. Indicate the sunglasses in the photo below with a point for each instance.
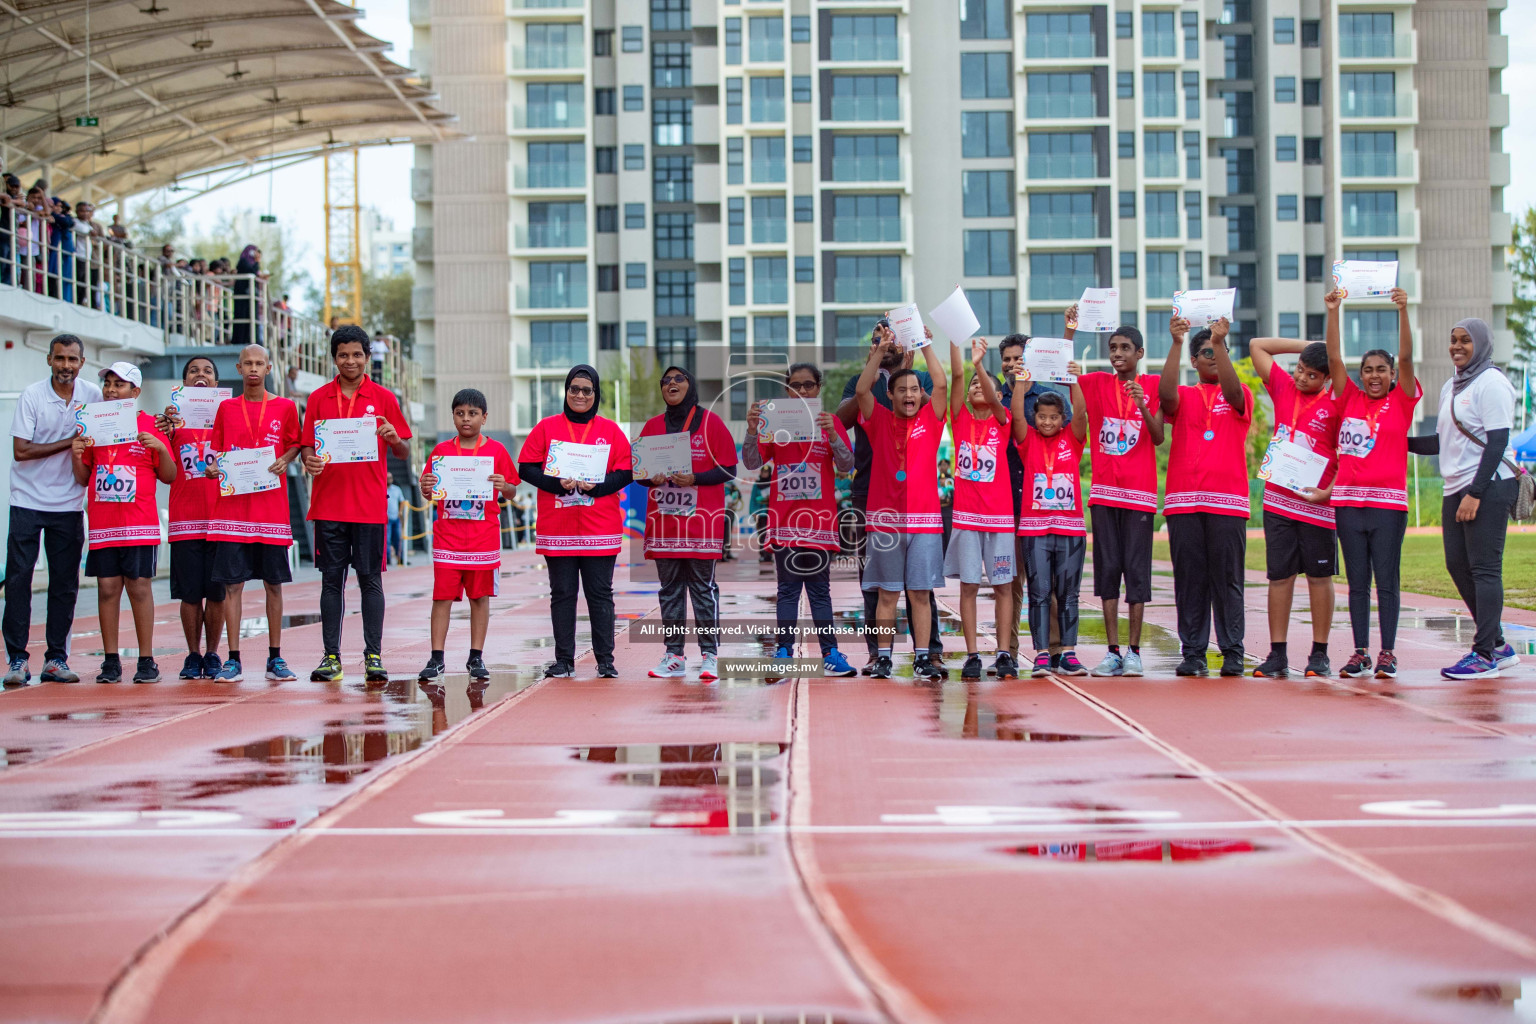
(804, 387)
(580, 392)
(673, 378)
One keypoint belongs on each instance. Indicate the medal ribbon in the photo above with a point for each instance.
(1048, 453)
(1371, 418)
(974, 446)
(1208, 394)
(261, 417)
(1296, 411)
(901, 449)
(350, 405)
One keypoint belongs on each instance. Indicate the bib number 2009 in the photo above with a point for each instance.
(116, 484)
(978, 463)
(1057, 493)
(676, 501)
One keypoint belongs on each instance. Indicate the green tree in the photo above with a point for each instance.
(387, 306)
(1522, 266)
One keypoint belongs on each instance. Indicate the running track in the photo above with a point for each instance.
(636, 850)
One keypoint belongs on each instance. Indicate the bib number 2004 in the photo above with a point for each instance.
(1057, 493)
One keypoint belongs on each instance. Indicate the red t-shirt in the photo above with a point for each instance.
(802, 501)
(904, 471)
(700, 531)
(468, 533)
(120, 494)
(190, 508)
(1053, 487)
(578, 525)
(1208, 474)
(1123, 457)
(983, 489)
(1315, 421)
(351, 492)
(255, 518)
(1373, 448)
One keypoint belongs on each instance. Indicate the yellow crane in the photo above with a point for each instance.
(343, 251)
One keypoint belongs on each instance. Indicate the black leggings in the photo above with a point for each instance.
(568, 574)
(1372, 541)
(1474, 557)
(333, 606)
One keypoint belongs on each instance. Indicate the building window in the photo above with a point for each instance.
(557, 343)
(1125, 145)
(768, 222)
(1194, 271)
(607, 277)
(605, 159)
(1366, 329)
(634, 275)
(803, 153)
(1162, 274)
(1311, 32)
(864, 37)
(736, 281)
(1285, 89)
(602, 42)
(674, 292)
(864, 98)
(1162, 214)
(1368, 154)
(1314, 209)
(671, 15)
(674, 236)
(552, 46)
(866, 279)
(1239, 170)
(868, 157)
(1127, 266)
(985, 19)
(1125, 85)
(561, 285)
(988, 253)
(986, 76)
(1288, 266)
(1192, 213)
(986, 133)
(634, 158)
(1160, 154)
(673, 179)
(800, 28)
(800, 89)
(1157, 35)
(986, 193)
(1366, 35)
(1127, 204)
(1368, 94)
(672, 121)
(770, 333)
(602, 101)
(1057, 94)
(1316, 325)
(994, 309)
(607, 337)
(1158, 97)
(768, 158)
(1061, 155)
(634, 333)
(1192, 156)
(770, 280)
(1285, 207)
(805, 269)
(805, 330)
(1314, 269)
(634, 38)
(557, 164)
(1311, 92)
(805, 209)
(1063, 215)
(765, 39)
(733, 40)
(607, 219)
(1191, 95)
(866, 218)
(1059, 35)
(1285, 30)
(1285, 149)
(736, 220)
(555, 105)
(738, 339)
(1290, 325)
(634, 216)
(768, 99)
(851, 334)
(1191, 23)
(1312, 149)
(675, 347)
(735, 161)
(556, 225)
(1370, 214)
(672, 65)
(1237, 56)
(1063, 275)
(1124, 25)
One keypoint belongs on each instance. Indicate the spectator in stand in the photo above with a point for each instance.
(10, 200)
(245, 297)
(88, 247)
(61, 251)
(379, 350)
(29, 238)
(118, 231)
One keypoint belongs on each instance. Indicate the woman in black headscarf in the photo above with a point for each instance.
(579, 461)
(245, 307)
(685, 521)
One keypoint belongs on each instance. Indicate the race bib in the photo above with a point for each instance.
(977, 464)
(1355, 438)
(1058, 494)
(676, 501)
(194, 459)
(798, 482)
(464, 510)
(116, 483)
(573, 499)
(1117, 437)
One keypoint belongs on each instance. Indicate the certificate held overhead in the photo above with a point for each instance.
(907, 322)
(1046, 359)
(1204, 307)
(1365, 278)
(1098, 311)
(955, 317)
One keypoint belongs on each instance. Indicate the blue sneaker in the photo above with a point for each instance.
(1505, 657)
(278, 669)
(230, 673)
(192, 667)
(1472, 666)
(834, 664)
(212, 663)
(783, 653)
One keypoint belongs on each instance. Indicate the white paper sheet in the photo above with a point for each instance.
(1098, 311)
(955, 317)
(1365, 278)
(197, 406)
(109, 422)
(790, 419)
(1203, 307)
(662, 455)
(907, 322)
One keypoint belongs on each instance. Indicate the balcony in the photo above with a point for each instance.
(1498, 52)
(1397, 228)
(1399, 47)
(542, 297)
(421, 184)
(1500, 228)
(1498, 169)
(1377, 106)
(1044, 227)
(570, 57)
(520, 7)
(1498, 110)
(551, 176)
(567, 118)
(558, 235)
(423, 302)
(1396, 167)
(421, 245)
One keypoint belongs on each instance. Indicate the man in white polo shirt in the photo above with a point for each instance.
(46, 501)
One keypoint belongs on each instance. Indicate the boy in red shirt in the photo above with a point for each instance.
(466, 535)
(125, 525)
(1051, 520)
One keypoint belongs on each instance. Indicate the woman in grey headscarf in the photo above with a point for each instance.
(1477, 408)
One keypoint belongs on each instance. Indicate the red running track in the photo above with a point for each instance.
(849, 850)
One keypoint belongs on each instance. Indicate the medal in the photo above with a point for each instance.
(901, 449)
(976, 476)
(1210, 435)
(901, 475)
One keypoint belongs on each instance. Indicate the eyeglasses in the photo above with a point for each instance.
(1206, 353)
(804, 387)
(673, 378)
(580, 392)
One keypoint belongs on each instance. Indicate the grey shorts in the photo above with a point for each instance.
(903, 561)
(977, 557)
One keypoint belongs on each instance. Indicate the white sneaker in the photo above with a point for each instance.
(1132, 664)
(710, 669)
(673, 666)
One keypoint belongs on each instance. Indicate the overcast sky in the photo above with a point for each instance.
(300, 191)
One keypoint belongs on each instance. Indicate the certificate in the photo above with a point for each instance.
(1203, 307)
(1046, 359)
(1098, 311)
(349, 439)
(790, 419)
(907, 322)
(196, 406)
(1292, 466)
(955, 317)
(662, 455)
(463, 478)
(248, 471)
(1362, 278)
(569, 460)
(108, 422)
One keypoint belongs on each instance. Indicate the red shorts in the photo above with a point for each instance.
(451, 582)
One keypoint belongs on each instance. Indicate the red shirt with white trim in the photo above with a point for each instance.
(467, 534)
(1373, 448)
(254, 518)
(1208, 474)
(352, 492)
(120, 494)
(904, 471)
(578, 524)
(1316, 426)
(802, 500)
(1121, 452)
(1053, 486)
(983, 489)
(190, 508)
(700, 534)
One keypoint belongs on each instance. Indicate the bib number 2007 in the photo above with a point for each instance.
(115, 484)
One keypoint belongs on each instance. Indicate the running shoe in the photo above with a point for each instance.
(1357, 667)
(1005, 666)
(558, 670)
(111, 672)
(781, 653)
(373, 669)
(191, 667)
(1192, 667)
(1132, 661)
(1112, 665)
(881, 667)
(328, 671)
(147, 671)
(834, 664)
(1317, 665)
(971, 670)
(1505, 657)
(475, 666)
(19, 674)
(1273, 667)
(673, 666)
(212, 665)
(1232, 665)
(56, 670)
(1472, 666)
(1042, 664)
(432, 670)
(1070, 666)
(923, 667)
(278, 671)
(1386, 665)
(607, 670)
(230, 673)
(709, 669)
(869, 666)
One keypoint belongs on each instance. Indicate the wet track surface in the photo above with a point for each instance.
(640, 850)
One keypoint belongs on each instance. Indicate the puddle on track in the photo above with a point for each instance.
(963, 713)
(726, 785)
(1165, 851)
(1516, 996)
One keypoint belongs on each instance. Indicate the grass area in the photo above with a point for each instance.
(1424, 566)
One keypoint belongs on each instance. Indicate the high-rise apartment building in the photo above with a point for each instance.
(736, 185)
